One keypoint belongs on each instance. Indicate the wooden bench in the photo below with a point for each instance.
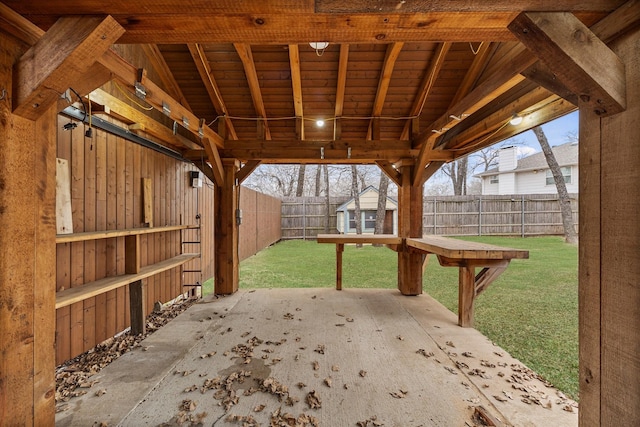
(134, 274)
(467, 256)
(341, 239)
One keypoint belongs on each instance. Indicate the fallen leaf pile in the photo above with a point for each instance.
(72, 377)
(279, 419)
(373, 422)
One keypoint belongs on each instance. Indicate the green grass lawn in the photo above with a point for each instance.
(531, 310)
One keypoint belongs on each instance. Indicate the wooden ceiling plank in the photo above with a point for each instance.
(387, 6)
(202, 64)
(340, 88)
(427, 84)
(246, 170)
(160, 65)
(244, 52)
(390, 171)
(391, 55)
(296, 83)
(58, 59)
(472, 75)
(618, 22)
(579, 59)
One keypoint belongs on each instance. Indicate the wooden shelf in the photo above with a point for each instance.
(95, 235)
(91, 289)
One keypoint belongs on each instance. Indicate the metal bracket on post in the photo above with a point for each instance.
(140, 90)
(166, 109)
(201, 129)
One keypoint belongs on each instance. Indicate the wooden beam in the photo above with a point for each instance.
(204, 69)
(388, 168)
(410, 205)
(497, 84)
(474, 130)
(340, 89)
(473, 73)
(162, 68)
(296, 84)
(244, 52)
(19, 26)
(541, 74)
(427, 84)
(59, 58)
(246, 170)
(430, 170)
(214, 160)
(226, 231)
(141, 121)
(553, 109)
(579, 59)
(127, 74)
(623, 19)
(391, 55)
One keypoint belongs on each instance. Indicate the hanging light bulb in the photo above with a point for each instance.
(319, 47)
(320, 123)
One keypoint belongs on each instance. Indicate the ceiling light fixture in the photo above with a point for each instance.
(515, 120)
(319, 47)
(320, 123)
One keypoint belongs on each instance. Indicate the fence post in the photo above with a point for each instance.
(435, 211)
(304, 219)
(480, 216)
(522, 220)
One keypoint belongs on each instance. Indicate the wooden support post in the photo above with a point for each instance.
(132, 254)
(226, 231)
(466, 295)
(137, 299)
(27, 277)
(339, 250)
(409, 225)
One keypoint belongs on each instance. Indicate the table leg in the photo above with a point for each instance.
(339, 250)
(466, 295)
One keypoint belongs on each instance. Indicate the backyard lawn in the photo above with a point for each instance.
(531, 310)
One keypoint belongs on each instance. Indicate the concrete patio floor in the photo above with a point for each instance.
(365, 352)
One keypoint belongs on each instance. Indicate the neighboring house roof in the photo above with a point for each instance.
(566, 155)
(343, 207)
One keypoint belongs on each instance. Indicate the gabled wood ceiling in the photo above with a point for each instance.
(422, 81)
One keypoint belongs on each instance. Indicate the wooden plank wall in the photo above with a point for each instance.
(106, 194)
(261, 217)
(610, 231)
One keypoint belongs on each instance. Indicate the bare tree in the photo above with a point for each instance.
(381, 212)
(457, 172)
(356, 197)
(318, 172)
(300, 186)
(570, 235)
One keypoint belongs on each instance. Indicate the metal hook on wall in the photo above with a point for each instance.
(4, 94)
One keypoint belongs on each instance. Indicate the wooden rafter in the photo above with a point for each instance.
(430, 170)
(296, 84)
(244, 52)
(393, 51)
(427, 84)
(204, 69)
(340, 88)
(475, 70)
(161, 67)
(554, 107)
(59, 58)
(494, 86)
(579, 59)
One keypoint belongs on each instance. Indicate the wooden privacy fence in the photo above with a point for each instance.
(306, 217)
(260, 225)
(522, 215)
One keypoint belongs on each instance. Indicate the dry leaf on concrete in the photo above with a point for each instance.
(313, 400)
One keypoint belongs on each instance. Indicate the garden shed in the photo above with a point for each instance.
(368, 209)
(137, 95)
